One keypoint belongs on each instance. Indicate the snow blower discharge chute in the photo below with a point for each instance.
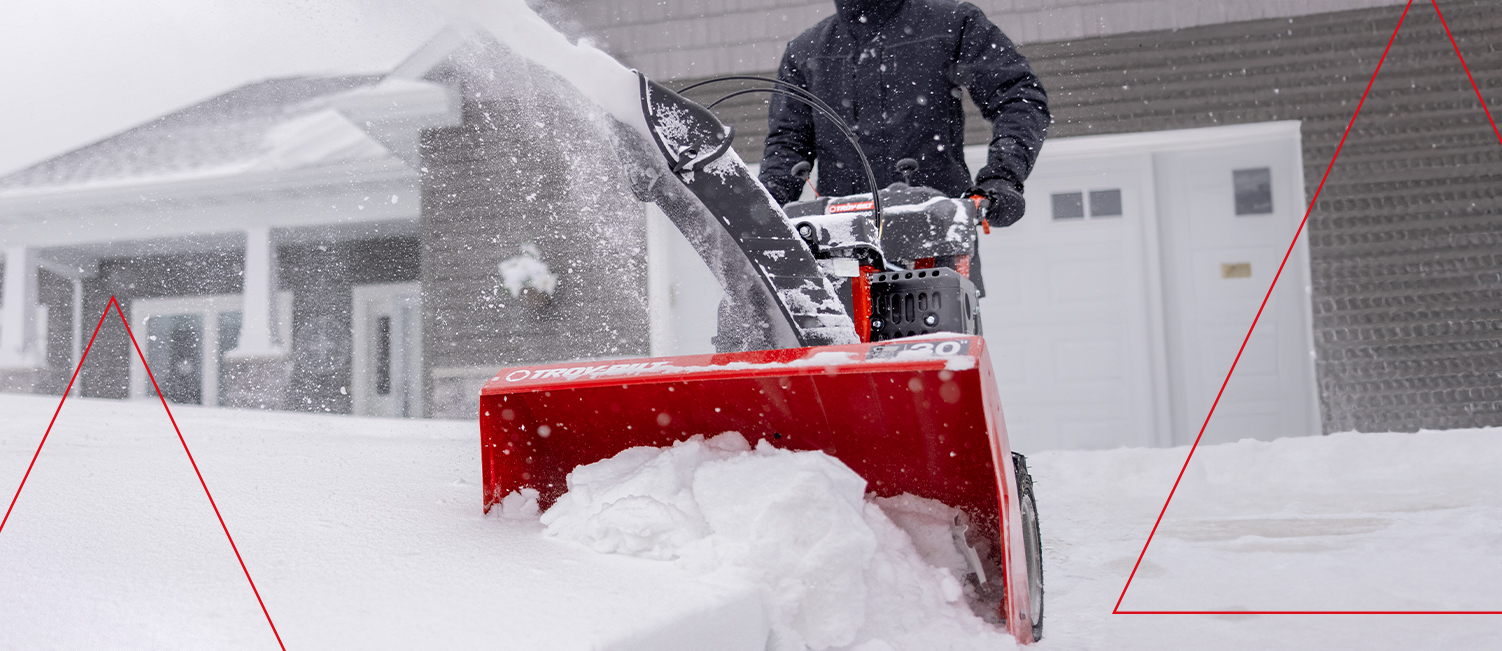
(875, 354)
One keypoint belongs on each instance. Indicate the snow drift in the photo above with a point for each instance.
(836, 569)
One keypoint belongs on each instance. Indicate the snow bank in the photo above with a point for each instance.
(836, 569)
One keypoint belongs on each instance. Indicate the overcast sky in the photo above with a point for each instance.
(75, 71)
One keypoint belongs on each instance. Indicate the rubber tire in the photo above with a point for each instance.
(1032, 543)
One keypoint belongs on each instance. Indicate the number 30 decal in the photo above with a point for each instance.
(948, 348)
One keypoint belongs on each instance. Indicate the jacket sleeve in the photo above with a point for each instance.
(1009, 95)
(790, 136)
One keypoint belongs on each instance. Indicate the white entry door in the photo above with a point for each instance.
(1116, 305)
(1227, 216)
(1065, 314)
(682, 294)
(387, 365)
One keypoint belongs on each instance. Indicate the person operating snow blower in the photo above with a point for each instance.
(850, 323)
(895, 71)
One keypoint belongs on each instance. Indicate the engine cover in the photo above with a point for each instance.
(922, 301)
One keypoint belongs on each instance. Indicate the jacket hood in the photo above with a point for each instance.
(864, 17)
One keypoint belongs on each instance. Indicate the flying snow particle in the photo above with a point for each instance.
(527, 271)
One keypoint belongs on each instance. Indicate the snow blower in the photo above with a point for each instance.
(867, 320)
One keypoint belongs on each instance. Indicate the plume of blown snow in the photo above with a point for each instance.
(596, 74)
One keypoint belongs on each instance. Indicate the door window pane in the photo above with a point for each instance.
(1254, 191)
(1105, 203)
(1069, 205)
(174, 349)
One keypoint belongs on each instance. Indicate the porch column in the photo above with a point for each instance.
(258, 335)
(77, 350)
(18, 310)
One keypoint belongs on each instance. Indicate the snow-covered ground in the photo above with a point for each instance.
(360, 533)
(367, 534)
(1342, 522)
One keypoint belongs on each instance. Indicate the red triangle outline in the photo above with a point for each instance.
(1117, 609)
(81, 359)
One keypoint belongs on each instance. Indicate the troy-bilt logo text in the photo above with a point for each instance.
(573, 372)
(852, 207)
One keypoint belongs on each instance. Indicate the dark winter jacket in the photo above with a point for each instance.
(896, 78)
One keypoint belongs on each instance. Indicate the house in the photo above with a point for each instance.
(198, 222)
(335, 244)
(286, 246)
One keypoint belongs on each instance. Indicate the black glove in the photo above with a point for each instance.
(1004, 202)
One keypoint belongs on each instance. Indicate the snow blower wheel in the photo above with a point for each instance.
(1032, 544)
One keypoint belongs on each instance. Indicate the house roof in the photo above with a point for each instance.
(236, 130)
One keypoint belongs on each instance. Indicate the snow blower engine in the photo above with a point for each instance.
(850, 325)
(904, 272)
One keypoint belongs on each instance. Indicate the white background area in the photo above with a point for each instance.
(76, 71)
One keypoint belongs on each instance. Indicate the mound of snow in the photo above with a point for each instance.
(836, 570)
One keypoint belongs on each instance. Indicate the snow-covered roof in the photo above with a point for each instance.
(237, 130)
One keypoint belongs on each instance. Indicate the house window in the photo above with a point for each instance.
(1105, 203)
(1254, 191)
(174, 347)
(1069, 205)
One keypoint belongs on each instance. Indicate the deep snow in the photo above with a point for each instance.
(366, 533)
(836, 571)
(360, 533)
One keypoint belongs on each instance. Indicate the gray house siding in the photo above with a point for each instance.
(679, 39)
(322, 277)
(1407, 278)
